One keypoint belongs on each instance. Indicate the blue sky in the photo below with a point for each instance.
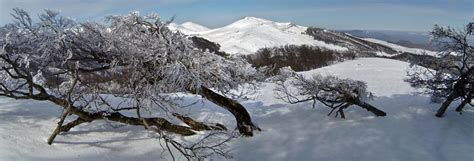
(407, 15)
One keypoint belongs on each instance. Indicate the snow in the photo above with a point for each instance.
(249, 34)
(25, 126)
(188, 28)
(410, 132)
(385, 77)
(194, 27)
(400, 48)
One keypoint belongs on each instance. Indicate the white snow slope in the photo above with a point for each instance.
(188, 27)
(410, 132)
(249, 34)
(400, 48)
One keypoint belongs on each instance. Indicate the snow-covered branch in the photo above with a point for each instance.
(84, 67)
(336, 93)
(451, 76)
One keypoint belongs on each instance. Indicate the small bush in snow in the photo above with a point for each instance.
(333, 92)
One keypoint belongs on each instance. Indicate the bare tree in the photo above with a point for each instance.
(337, 94)
(450, 76)
(298, 57)
(86, 67)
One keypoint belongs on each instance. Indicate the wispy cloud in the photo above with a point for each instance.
(337, 14)
(83, 8)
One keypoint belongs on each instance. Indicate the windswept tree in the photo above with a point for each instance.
(86, 67)
(335, 93)
(450, 77)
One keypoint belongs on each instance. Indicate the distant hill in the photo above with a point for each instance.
(250, 34)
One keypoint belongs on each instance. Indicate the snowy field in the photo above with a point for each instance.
(410, 132)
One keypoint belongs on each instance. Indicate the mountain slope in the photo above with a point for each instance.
(400, 48)
(194, 27)
(249, 34)
(354, 44)
(364, 45)
(411, 39)
(188, 28)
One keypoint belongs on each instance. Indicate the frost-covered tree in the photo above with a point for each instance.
(335, 93)
(126, 70)
(450, 77)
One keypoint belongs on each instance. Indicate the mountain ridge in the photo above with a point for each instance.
(249, 34)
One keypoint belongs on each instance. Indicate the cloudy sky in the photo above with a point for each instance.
(407, 15)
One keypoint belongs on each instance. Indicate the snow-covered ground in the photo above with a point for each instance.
(249, 34)
(410, 132)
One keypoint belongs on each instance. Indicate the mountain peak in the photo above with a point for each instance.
(249, 22)
(194, 26)
(189, 23)
(255, 19)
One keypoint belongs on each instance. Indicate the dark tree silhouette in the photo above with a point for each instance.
(450, 77)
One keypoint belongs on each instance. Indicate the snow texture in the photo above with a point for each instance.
(400, 48)
(410, 132)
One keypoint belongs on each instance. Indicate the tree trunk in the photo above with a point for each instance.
(244, 121)
(160, 123)
(198, 126)
(370, 108)
(58, 128)
(70, 125)
(463, 103)
(445, 105)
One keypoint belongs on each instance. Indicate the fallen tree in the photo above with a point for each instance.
(335, 93)
(85, 67)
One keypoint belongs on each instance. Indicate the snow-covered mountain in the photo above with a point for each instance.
(188, 27)
(400, 48)
(194, 27)
(250, 34)
(417, 39)
(361, 45)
